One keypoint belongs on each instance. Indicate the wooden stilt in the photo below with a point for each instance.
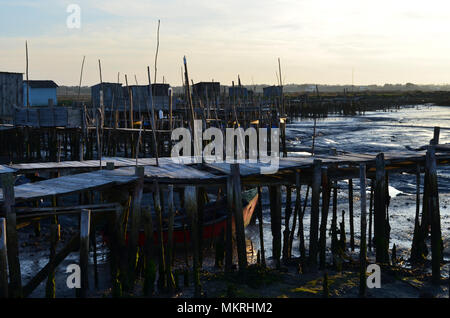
(261, 228)
(169, 249)
(229, 235)
(380, 231)
(3, 260)
(162, 282)
(84, 250)
(190, 201)
(363, 248)
(239, 218)
(324, 219)
(15, 277)
(287, 218)
(314, 227)
(350, 210)
(275, 217)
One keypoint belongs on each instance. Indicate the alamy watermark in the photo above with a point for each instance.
(73, 20)
(188, 148)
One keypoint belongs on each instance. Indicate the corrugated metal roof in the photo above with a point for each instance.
(41, 84)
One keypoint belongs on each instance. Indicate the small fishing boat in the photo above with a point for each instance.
(214, 220)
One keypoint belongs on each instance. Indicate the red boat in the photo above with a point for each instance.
(214, 222)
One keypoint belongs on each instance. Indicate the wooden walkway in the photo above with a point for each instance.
(340, 167)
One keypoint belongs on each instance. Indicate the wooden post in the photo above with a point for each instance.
(134, 223)
(169, 249)
(85, 227)
(190, 201)
(314, 227)
(275, 217)
(437, 131)
(298, 188)
(3, 260)
(162, 283)
(150, 266)
(324, 220)
(363, 247)
(350, 210)
(381, 241)
(239, 218)
(287, 218)
(334, 224)
(261, 228)
(433, 202)
(229, 231)
(370, 238)
(15, 277)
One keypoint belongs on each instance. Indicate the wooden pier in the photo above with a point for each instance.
(112, 175)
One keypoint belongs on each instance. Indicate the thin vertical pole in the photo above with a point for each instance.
(363, 248)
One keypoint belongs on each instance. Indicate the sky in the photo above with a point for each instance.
(322, 42)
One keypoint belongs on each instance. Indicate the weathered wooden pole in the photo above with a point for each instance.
(169, 249)
(324, 220)
(229, 230)
(190, 201)
(162, 282)
(350, 210)
(150, 266)
(363, 247)
(239, 217)
(417, 248)
(3, 260)
(134, 224)
(380, 231)
(287, 218)
(261, 228)
(370, 238)
(436, 234)
(275, 217)
(15, 277)
(334, 224)
(85, 227)
(297, 210)
(437, 131)
(314, 227)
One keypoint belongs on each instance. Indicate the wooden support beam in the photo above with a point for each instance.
(169, 249)
(433, 202)
(314, 227)
(190, 201)
(50, 288)
(363, 245)
(85, 227)
(229, 230)
(326, 191)
(287, 218)
(351, 216)
(162, 282)
(134, 224)
(3, 260)
(261, 228)
(275, 220)
(380, 231)
(239, 218)
(15, 277)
